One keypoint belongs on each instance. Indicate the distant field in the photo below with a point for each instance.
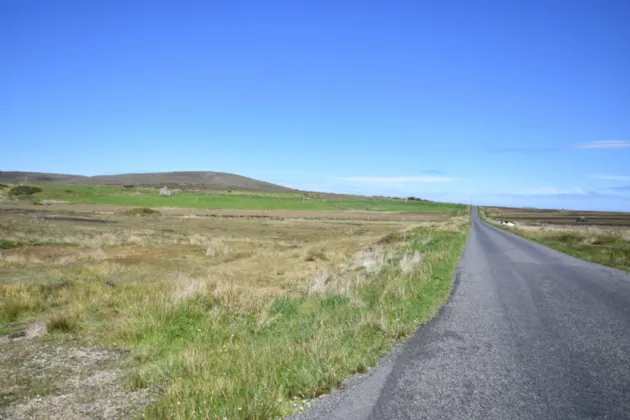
(148, 197)
(535, 216)
(604, 238)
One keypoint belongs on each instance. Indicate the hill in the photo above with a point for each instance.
(210, 180)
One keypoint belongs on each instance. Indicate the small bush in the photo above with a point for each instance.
(13, 309)
(390, 238)
(142, 211)
(23, 190)
(7, 244)
(603, 240)
(16, 306)
(63, 323)
(314, 255)
(3, 186)
(565, 237)
(37, 203)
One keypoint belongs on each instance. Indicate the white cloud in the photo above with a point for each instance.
(604, 144)
(396, 180)
(612, 177)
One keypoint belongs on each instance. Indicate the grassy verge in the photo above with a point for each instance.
(605, 246)
(605, 250)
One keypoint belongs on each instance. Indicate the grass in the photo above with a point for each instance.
(314, 255)
(9, 244)
(399, 205)
(602, 245)
(147, 197)
(64, 323)
(141, 211)
(238, 318)
(600, 249)
(255, 362)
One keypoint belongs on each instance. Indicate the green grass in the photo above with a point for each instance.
(256, 364)
(609, 251)
(210, 201)
(399, 206)
(235, 200)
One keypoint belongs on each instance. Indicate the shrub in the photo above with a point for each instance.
(62, 323)
(16, 305)
(13, 308)
(23, 190)
(3, 186)
(142, 211)
(565, 237)
(8, 244)
(314, 255)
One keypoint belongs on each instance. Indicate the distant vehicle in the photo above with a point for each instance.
(581, 219)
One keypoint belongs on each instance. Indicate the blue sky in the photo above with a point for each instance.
(523, 103)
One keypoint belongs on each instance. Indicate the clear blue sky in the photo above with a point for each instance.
(509, 102)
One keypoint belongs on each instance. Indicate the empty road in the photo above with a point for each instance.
(529, 333)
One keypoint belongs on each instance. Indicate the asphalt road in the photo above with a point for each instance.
(529, 333)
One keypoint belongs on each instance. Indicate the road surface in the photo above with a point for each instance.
(529, 333)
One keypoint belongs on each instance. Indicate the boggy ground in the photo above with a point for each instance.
(110, 312)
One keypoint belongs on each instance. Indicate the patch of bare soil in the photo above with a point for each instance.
(46, 377)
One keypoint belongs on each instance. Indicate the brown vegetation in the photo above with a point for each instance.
(102, 311)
